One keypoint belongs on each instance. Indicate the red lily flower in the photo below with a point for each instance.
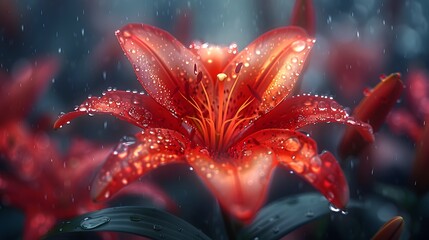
(48, 186)
(17, 94)
(303, 15)
(373, 109)
(227, 114)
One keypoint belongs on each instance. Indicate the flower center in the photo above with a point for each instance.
(216, 126)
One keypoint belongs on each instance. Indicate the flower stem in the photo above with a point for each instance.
(231, 225)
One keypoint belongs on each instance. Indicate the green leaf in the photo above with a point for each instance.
(282, 217)
(147, 222)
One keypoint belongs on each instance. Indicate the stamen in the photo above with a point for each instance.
(195, 69)
(199, 77)
(254, 93)
(221, 76)
(238, 67)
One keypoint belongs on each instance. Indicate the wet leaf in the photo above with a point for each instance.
(282, 217)
(391, 230)
(141, 221)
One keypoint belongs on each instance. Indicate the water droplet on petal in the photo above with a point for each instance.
(91, 223)
(299, 45)
(315, 163)
(322, 105)
(292, 144)
(333, 208)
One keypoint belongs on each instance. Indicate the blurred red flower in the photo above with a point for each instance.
(229, 115)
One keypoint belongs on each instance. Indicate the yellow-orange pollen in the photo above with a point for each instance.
(216, 127)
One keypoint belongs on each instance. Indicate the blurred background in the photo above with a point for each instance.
(357, 41)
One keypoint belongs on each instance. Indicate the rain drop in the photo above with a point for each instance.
(299, 46)
(157, 228)
(322, 105)
(333, 208)
(91, 223)
(276, 230)
(309, 213)
(136, 218)
(292, 144)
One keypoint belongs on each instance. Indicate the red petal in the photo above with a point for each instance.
(214, 58)
(83, 158)
(138, 109)
(391, 230)
(37, 224)
(297, 112)
(240, 184)
(134, 157)
(401, 121)
(299, 153)
(373, 109)
(418, 91)
(271, 68)
(17, 99)
(164, 67)
(303, 15)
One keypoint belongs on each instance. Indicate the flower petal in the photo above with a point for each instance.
(240, 184)
(391, 230)
(19, 96)
(271, 66)
(214, 58)
(134, 157)
(164, 67)
(303, 15)
(297, 112)
(37, 224)
(299, 153)
(373, 110)
(138, 109)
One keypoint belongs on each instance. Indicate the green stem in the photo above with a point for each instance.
(232, 227)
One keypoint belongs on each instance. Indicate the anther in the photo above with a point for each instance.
(221, 76)
(195, 69)
(238, 67)
(199, 77)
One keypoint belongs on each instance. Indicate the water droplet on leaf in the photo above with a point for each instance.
(91, 223)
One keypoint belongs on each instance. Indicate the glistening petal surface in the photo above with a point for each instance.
(135, 156)
(239, 183)
(271, 67)
(138, 109)
(297, 112)
(164, 67)
(299, 153)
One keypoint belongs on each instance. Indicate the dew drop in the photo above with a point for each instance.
(315, 163)
(299, 45)
(136, 218)
(276, 230)
(333, 208)
(309, 213)
(91, 223)
(157, 228)
(292, 144)
(322, 105)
